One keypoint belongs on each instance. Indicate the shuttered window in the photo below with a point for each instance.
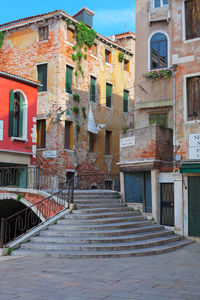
(193, 98)
(69, 71)
(158, 118)
(16, 112)
(41, 134)
(68, 143)
(42, 77)
(94, 49)
(70, 35)
(108, 56)
(126, 65)
(43, 33)
(108, 94)
(108, 141)
(192, 19)
(125, 104)
(92, 88)
(92, 142)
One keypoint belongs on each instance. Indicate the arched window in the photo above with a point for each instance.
(17, 115)
(159, 51)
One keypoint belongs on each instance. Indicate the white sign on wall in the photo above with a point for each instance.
(1, 130)
(127, 142)
(194, 146)
(49, 154)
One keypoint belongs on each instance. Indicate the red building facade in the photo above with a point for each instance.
(18, 98)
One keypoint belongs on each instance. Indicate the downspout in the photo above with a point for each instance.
(174, 105)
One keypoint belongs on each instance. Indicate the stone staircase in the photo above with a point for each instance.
(101, 226)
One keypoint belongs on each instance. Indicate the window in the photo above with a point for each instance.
(159, 51)
(108, 142)
(17, 115)
(92, 88)
(193, 98)
(159, 3)
(126, 65)
(70, 36)
(92, 142)
(108, 94)
(108, 56)
(41, 134)
(94, 49)
(68, 87)
(158, 118)
(125, 106)
(192, 19)
(68, 135)
(43, 33)
(42, 77)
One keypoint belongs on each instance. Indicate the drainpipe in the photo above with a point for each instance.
(174, 105)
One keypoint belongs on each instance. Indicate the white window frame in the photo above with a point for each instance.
(185, 98)
(184, 26)
(25, 118)
(149, 49)
(161, 4)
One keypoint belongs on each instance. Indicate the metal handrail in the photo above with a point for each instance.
(21, 222)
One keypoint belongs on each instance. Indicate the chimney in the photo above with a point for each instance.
(85, 15)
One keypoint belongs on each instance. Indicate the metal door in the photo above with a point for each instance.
(194, 206)
(147, 192)
(133, 187)
(167, 204)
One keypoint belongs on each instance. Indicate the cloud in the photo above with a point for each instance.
(119, 20)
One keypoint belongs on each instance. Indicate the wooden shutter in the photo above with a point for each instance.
(21, 115)
(108, 94)
(108, 142)
(160, 119)
(192, 19)
(91, 142)
(42, 77)
(41, 133)
(126, 94)
(193, 98)
(11, 113)
(69, 79)
(67, 135)
(92, 88)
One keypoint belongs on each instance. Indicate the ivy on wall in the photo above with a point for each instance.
(84, 36)
(1, 38)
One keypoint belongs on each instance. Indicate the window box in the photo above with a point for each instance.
(157, 74)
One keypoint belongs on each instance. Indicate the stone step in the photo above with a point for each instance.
(101, 215)
(97, 195)
(95, 201)
(99, 227)
(105, 254)
(102, 247)
(109, 233)
(99, 205)
(102, 210)
(101, 240)
(100, 221)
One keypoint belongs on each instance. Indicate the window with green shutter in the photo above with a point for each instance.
(68, 87)
(125, 106)
(16, 114)
(158, 118)
(92, 88)
(108, 94)
(42, 77)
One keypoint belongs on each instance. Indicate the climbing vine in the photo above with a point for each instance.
(84, 36)
(1, 38)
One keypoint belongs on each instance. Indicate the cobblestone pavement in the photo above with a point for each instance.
(174, 275)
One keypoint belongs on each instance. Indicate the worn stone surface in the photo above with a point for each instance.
(167, 276)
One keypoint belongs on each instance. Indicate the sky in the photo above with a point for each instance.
(111, 17)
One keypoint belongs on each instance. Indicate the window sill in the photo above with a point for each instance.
(70, 44)
(188, 122)
(15, 138)
(41, 149)
(69, 151)
(108, 64)
(191, 40)
(43, 41)
(42, 92)
(93, 56)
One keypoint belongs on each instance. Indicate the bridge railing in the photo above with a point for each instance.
(32, 216)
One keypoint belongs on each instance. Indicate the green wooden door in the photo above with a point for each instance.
(194, 205)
